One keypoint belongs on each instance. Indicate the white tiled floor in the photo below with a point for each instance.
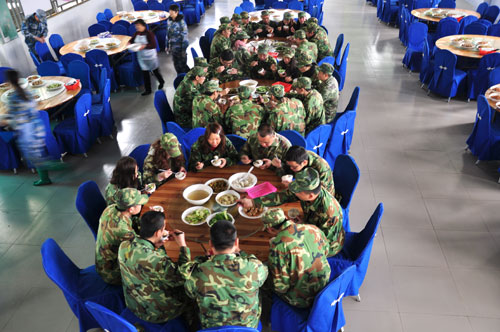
(436, 261)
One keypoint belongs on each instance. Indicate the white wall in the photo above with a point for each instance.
(71, 25)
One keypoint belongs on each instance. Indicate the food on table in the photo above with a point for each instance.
(258, 163)
(157, 208)
(254, 211)
(495, 96)
(94, 41)
(54, 86)
(36, 97)
(180, 175)
(99, 46)
(243, 182)
(84, 48)
(4, 87)
(150, 187)
(262, 89)
(197, 216)
(110, 45)
(227, 199)
(220, 216)
(198, 195)
(33, 78)
(293, 213)
(37, 83)
(218, 186)
(152, 14)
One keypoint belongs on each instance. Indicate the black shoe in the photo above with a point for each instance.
(145, 93)
(160, 86)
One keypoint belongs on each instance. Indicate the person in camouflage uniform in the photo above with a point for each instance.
(189, 88)
(34, 29)
(312, 101)
(224, 68)
(297, 261)
(164, 159)
(297, 158)
(125, 175)
(243, 58)
(306, 66)
(152, 284)
(285, 113)
(240, 40)
(115, 226)
(246, 25)
(262, 65)
(328, 87)
(284, 27)
(265, 25)
(177, 39)
(221, 41)
(319, 206)
(318, 36)
(301, 22)
(289, 65)
(305, 46)
(205, 109)
(213, 143)
(265, 145)
(223, 20)
(243, 119)
(225, 285)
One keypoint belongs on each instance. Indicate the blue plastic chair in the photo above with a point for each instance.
(485, 22)
(205, 47)
(346, 177)
(139, 154)
(477, 79)
(175, 129)
(422, 4)
(296, 5)
(101, 17)
(446, 27)
(108, 13)
(163, 108)
(69, 57)
(90, 204)
(491, 13)
(494, 77)
(343, 67)
(2, 73)
(279, 5)
(52, 148)
(80, 70)
(103, 78)
(42, 49)
(317, 139)
(337, 50)
(8, 151)
(96, 29)
(192, 136)
(237, 141)
(247, 6)
(56, 42)
(447, 81)
(210, 34)
(131, 30)
(326, 315)
(192, 14)
(447, 4)
(482, 7)
(484, 141)
(126, 24)
(98, 60)
(140, 5)
(427, 66)
(79, 286)
(194, 53)
(417, 35)
(294, 137)
(118, 29)
(36, 62)
(238, 10)
(465, 22)
(380, 9)
(130, 73)
(476, 28)
(48, 68)
(335, 145)
(231, 329)
(328, 59)
(389, 11)
(107, 24)
(494, 30)
(153, 5)
(356, 252)
(74, 134)
(101, 115)
(178, 79)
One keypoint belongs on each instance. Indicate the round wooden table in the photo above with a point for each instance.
(276, 15)
(70, 48)
(253, 238)
(445, 44)
(493, 100)
(233, 85)
(420, 13)
(55, 101)
(144, 13)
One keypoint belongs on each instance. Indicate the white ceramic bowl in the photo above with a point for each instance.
(258, 163)
(180, 175)
(157, 208)
(236, 176)
(218, 179)
(191, 209)
(252, 84)
(194, 187)
(232, 192)
(214, 214)
(287, 178)
(242, 213)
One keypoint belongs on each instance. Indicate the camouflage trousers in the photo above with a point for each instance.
(180, 60)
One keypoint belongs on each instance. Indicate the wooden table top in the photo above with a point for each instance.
(253, 239)
(236, 84)
(156, 19)
(495, 99)
(70, 48)
(274, 13)
(55, 101)
(445, 44)
(419, 13)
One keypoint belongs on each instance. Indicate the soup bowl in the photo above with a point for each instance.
(197, 188)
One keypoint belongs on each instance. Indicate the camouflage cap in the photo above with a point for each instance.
(303, 83)
(170, 144)
(200, 62)
(273, 217)
(263, 49)
(304, 59)
(300, 34)
(128, 197)
(302, 14)
(244, 92)
(312, 27)
(278, 90)
(311, 20)
(244, 15)
(326, 68)
(305, 180)
(211, 86)
(240, 35)
(236, 17)
(264, 13)
(288, 52)
(224, 20)
(287, 16)
(225, 26)
(199, 71)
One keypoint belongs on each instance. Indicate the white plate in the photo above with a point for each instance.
(242, 213)
(191, 209)
(55, 89)
(134, 47)
(238, 175)
(37, 86)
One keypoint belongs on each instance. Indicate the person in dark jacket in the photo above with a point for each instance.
(177, 41)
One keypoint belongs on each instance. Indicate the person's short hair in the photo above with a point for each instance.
(265, 130)
(315, 191)
(141, 22)
(174, 8)
(297, 154)
(223, 235)
(227, 55)
(151, 222)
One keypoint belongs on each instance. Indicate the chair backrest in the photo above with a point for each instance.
(102, 80)
(238, 10)
(296, 5)
(108, 13)
(447, 4)
(421, 4)
(424, 67)
(90, 204)
(327, 59)
(139, 154)
(174, 128)
(476, 28)
(98, 60)
(126, 24)
(101, 17)
(107, 319)
(96, 29)
(494, 77)
(444, 71)
(279, 5)
(107, 24)
(353, 102)
(327, 313)
(79, 69)
(465, 22)
(42, 49)
(205, 47)
(48, 68)
(336, 74)
(335, 144)
(481, 9)
(247, 6)
(163, 108)
(178, 79)
(494, 30)
(131, 30)
(317, 139)
(2, 73)
(338, 46)
(119, 29)
(192, 136)
(194, 53)
(56, 42)
(346, 178)
(484, 21)
(82, 111)
(487, 64)
(491, 13)
(417, 34)
(66, 59)
(237, 141)
(343, 67)
(51, 144)
(141, 5)
(294, 137)
(446, 27)
(156, 6)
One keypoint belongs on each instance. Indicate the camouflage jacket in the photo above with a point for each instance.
(315, 113)
(183, 102)
(266, 65)
(177, 33)
(288, 114)
(255, 151)
(312, 73)
(197, 155)
(242, 57)
(223, 77)
(111, 189)
(219, 44)
(284, 32)
(205, 110)
(150, 170)
(320, 38)
(291, 69)
(243, 119)
(324, 212)
(152, 284)
(311, 49)
(263, 26)
(319, 164)
(329, 90)
(226, 288)
(297, 263)
(113, 229)
(32, 28)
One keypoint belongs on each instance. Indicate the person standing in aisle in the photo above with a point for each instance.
(147, 56)
(177, 41)
(34, 29)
